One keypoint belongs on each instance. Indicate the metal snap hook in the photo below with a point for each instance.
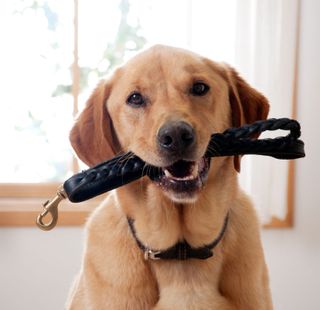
(51, 207)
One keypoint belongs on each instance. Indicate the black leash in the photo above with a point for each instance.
(126, 168)
(238, 141)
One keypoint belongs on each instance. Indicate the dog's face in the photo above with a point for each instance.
(164, 105)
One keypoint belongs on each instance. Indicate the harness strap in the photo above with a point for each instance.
(182, 250)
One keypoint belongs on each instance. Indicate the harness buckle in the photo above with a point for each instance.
(51, 206)
(150, 254)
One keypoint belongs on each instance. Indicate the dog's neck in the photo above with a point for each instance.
(160, 222)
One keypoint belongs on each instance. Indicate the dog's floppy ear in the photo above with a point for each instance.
(247, 104)
(92, 136)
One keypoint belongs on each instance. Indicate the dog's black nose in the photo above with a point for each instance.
(176, 137)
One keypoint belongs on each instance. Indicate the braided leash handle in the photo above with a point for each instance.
(126, 168)
(239, 141)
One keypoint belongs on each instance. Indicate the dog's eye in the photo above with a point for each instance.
(199, 89)
(136, 100)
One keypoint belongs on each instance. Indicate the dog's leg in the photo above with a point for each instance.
(114, 274)
(245, 277)
(196, 298)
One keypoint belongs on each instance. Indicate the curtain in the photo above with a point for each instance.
(265, 55)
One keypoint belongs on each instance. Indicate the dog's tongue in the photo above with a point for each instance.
(181, 169)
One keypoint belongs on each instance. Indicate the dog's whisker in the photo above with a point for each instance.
(141, 180)
(145, 167)
(213, 149)
(212, 145)
(120, 159)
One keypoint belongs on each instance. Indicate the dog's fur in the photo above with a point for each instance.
(114, 274)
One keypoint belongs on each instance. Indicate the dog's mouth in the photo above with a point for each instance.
(183, 179)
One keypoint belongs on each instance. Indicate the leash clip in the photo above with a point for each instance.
(51, 206)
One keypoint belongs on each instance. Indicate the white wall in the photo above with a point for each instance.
(293, 255)
(37, 268)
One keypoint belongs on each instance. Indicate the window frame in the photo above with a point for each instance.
(20, 203)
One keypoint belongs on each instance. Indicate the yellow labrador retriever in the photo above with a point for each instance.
(189, 238)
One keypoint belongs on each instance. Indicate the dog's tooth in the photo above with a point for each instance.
(195, 170)
(189, 177)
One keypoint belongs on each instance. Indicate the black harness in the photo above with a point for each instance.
(182, 250)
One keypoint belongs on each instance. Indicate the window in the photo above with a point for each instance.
(54, 53)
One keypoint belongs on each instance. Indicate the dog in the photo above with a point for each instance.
(188, 238)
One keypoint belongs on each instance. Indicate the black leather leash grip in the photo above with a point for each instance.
(238, 141)
(126, 168)
(104, 177)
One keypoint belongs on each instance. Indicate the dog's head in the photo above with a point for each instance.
(164, 105)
